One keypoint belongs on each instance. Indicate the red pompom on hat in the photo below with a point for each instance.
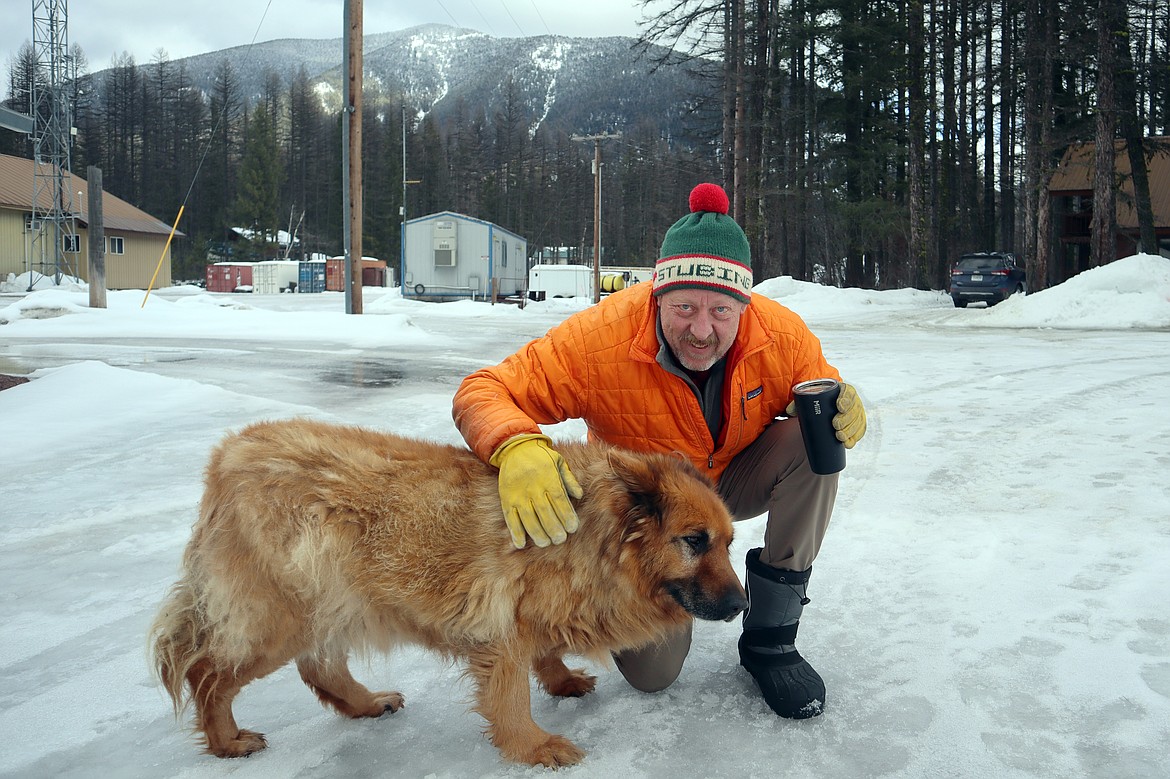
(709, 197)
(706, 249)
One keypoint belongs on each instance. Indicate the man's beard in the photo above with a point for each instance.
(710, 342)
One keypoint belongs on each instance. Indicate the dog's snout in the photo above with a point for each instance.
(735, 604)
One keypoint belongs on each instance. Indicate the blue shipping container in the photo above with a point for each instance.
(311, 276)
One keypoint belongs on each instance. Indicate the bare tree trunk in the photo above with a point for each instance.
(1009, 72)
(1131, 131)
(729, 71)
(988, 226)
(1103, 242)
(936, 265)
(1040, 30)
(807, 138)
(963, 148)
(1047, 101)
(740, 181)
(918, 274)
(947, 181)
(764, 130)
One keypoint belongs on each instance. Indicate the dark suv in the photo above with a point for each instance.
(988, 276)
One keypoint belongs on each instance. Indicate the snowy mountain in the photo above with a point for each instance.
(584, 85)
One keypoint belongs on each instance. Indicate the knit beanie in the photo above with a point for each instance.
(705, 249)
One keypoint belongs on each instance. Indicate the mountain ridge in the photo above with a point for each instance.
(581, 85)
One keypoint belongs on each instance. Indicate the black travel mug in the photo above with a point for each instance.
(816, 405)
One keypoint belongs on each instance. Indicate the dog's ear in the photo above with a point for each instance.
(640, 481)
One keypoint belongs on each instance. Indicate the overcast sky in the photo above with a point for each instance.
(105, 28)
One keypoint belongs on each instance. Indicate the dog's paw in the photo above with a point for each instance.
(245, 743)
(555, 752)
(574, 685)
(389, 701)
(375, 706)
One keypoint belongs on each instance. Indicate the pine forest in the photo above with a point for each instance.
(861, 142)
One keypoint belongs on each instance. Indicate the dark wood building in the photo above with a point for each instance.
(1071, 190)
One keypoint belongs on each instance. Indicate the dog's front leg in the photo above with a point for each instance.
(503, 699)
(562, 681)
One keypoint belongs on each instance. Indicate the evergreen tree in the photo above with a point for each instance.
(259, 182)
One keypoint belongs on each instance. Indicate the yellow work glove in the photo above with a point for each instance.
(850, 419)
(535, 485)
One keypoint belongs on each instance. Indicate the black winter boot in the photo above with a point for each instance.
(767, 648)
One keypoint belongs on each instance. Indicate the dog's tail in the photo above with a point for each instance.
(178, 640)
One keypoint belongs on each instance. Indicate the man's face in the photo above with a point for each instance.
(699, 325)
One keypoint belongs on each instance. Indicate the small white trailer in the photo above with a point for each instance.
(559, 281)
(572, 281)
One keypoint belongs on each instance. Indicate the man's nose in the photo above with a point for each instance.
(702, 327)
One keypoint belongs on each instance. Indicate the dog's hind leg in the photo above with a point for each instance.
(334, 685)
(213, 689)
(503, 699)
(561, 681)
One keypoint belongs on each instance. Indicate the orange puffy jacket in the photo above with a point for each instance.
(599, 366)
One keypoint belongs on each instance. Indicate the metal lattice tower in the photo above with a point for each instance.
(53, 222)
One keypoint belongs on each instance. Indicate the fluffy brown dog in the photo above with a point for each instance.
(314, 540)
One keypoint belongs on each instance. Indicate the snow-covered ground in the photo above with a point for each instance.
(991, 599)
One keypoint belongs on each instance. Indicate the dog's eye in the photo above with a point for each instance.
(697, 542)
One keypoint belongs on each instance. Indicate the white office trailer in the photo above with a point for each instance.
(449, 256)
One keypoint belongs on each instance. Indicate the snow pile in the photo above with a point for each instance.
(20, 283)
(805, 297)
(195, 314)
(1131, 292)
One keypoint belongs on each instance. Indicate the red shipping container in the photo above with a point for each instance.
(229, 276)
(373, 273)
(335, 274)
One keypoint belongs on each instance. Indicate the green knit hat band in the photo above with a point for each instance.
(705, 249)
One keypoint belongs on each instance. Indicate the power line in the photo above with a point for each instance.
(453, 19)
(481, 16)
(541, 16)
(513, 18)
(202, 158)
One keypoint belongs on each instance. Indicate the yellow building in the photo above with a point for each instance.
(134, 239)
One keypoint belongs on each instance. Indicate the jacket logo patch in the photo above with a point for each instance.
(755, 393)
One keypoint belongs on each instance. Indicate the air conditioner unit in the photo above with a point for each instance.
(443, 242)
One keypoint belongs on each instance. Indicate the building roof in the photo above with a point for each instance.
(466, 218)
(1074, 176)
(16, 190)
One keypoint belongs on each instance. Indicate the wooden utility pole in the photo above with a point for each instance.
(97, 239)
(351, 121)
(597, 139)
(596, 221)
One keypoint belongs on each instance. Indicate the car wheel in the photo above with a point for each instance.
(959, 303)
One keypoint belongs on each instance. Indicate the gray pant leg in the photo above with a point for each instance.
(772, 475)
(655, 666)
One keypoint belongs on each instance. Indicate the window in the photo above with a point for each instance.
(117, 244)
(71, 243)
